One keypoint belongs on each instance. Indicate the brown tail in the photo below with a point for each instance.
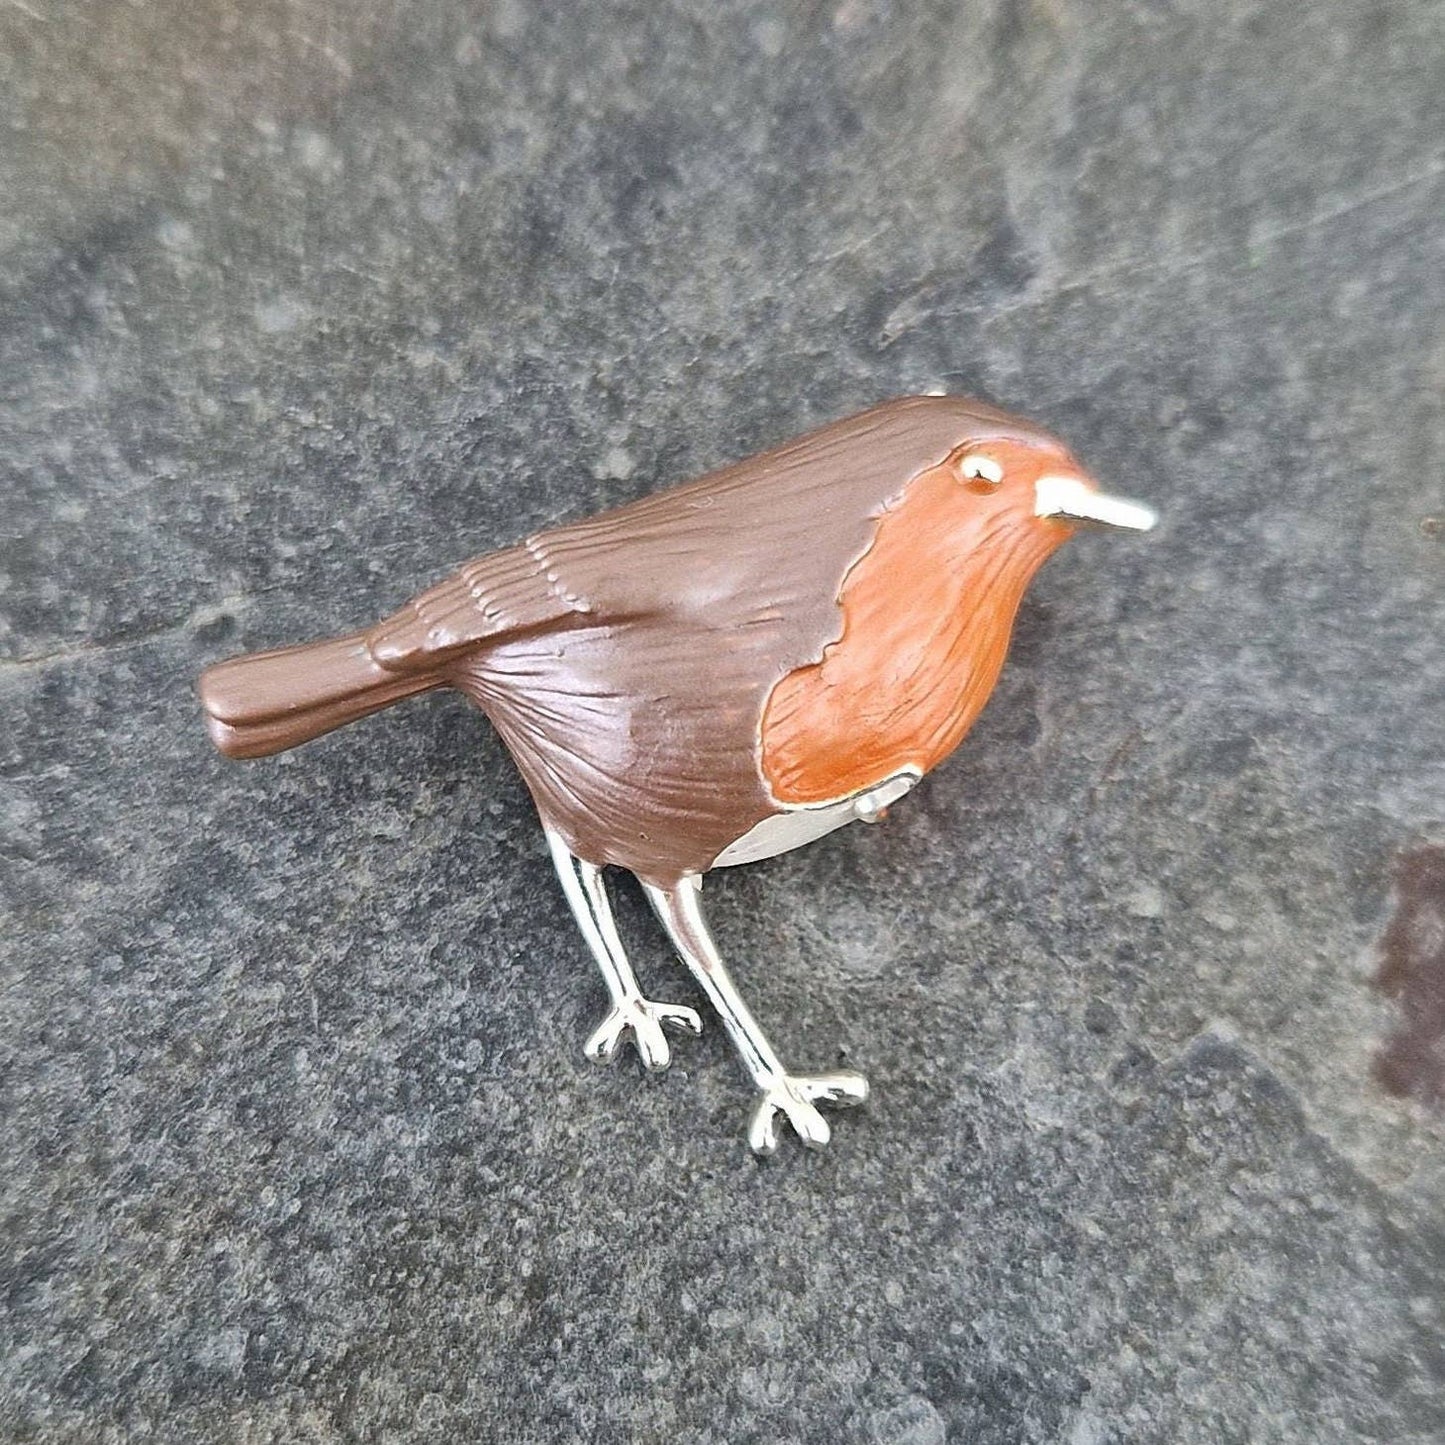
(271, 701)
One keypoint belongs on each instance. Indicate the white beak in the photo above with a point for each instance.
(1068, 499)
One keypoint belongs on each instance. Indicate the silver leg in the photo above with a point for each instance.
(792, 1095)
(631, 1014)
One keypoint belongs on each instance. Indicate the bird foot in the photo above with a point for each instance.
(644, 1022)
(796, 1096)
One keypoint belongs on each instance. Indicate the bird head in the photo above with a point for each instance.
(1037, 485)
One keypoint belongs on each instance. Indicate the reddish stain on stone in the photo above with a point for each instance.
(1411, 1062)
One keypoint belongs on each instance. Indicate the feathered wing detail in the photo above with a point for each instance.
(499, 595)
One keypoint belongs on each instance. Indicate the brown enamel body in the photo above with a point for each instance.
(667, 675)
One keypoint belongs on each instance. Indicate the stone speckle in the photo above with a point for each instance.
(1412, 970)
(294, 313)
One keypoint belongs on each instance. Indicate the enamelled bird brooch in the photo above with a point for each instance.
(719, 673)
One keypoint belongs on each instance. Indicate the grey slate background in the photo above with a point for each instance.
(301, 303)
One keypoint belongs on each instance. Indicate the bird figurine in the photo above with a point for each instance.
(719, 673)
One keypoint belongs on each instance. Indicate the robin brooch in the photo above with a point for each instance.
(719, 673)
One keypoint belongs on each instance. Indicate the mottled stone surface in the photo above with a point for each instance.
(301, 302)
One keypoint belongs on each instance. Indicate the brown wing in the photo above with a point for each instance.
(500, 595)
(774, 533)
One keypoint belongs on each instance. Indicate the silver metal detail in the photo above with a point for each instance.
(1071, 499)
(631, 1014)
(795, 826)
(792, 1096)
(975, 464)
(869, 807)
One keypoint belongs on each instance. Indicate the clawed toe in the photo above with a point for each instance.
(678, 1016)
(644, 1023)
(842, 1089)
(796, 1097)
